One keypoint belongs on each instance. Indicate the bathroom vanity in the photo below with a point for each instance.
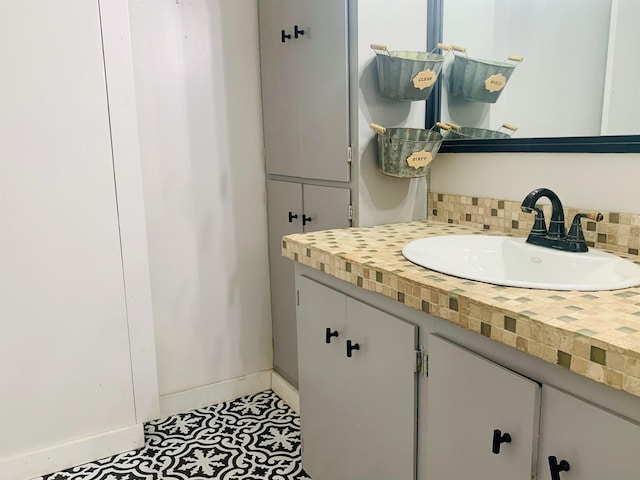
(408, 373)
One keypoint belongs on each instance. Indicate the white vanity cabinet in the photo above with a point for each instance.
(357, 387)
(305, 88)
(482, 418)
(594, 442)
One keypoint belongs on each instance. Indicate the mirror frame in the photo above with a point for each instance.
(599, 144)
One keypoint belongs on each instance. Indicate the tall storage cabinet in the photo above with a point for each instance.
(319, 95)
(305, 92)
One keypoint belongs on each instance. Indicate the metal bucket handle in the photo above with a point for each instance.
(380, 49)
(508, 126)
(441, 126)
(510, 58)
(380, 130)
(384, 50)
(454, 127)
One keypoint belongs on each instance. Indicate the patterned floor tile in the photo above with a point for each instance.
(253, 438)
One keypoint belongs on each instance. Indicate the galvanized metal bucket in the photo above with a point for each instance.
(472, 133)
(479, 80)
(407, 76)
(407, 152)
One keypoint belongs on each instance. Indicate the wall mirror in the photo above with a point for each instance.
(577, 89)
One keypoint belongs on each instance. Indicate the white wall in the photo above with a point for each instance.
(66, 392)
(198, 96)
(590, 181)
(401, 26)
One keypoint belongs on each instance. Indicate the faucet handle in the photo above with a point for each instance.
(575, 235)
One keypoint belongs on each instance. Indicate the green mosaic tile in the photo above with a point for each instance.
(586, 332)
(598, 355)
(524, 299)
(510, 324)
(589, 296)
(626, 330)
(453, 304)
(564, 359)
(308, 252)
(614, 218)
(284, 244)
(626, 294)
(485, 329)
(567, 318)
(347, 267)
(501, 299)
(359, 281)
(556, 297)
(322, 267)
(573, 308)
(401, 297)
(425, 306)
(379, 277)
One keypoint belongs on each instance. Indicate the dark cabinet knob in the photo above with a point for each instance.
(297, 32)
(328, 334)
(284, 36)
(555, 468)
(305, 219)
(292, 216)
(498, 439)
(351, 347)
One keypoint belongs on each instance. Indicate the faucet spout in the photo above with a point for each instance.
(556, 224)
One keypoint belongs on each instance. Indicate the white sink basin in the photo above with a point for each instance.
(512, 262)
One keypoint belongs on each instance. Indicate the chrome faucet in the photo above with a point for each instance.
(556, 236)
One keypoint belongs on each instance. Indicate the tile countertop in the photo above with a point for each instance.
(594, 334)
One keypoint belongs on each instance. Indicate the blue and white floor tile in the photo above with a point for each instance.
(253, 438)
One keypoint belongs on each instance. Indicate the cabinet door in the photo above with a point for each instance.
(380, 395)
(327, 207)
(324, 408)
(358, 413)
(323, 89)
(468, 399)
(305, 87)
(284, 200)
(279, 87)
(597, 444)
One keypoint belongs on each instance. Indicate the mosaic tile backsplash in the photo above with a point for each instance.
(594, 334)
(617, 232)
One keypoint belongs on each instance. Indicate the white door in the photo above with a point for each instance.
(472, 404)
(64, 345)
(595, 444)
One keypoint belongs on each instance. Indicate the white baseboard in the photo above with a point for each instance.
(286, 392)
(77, 452)
(214, 393)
